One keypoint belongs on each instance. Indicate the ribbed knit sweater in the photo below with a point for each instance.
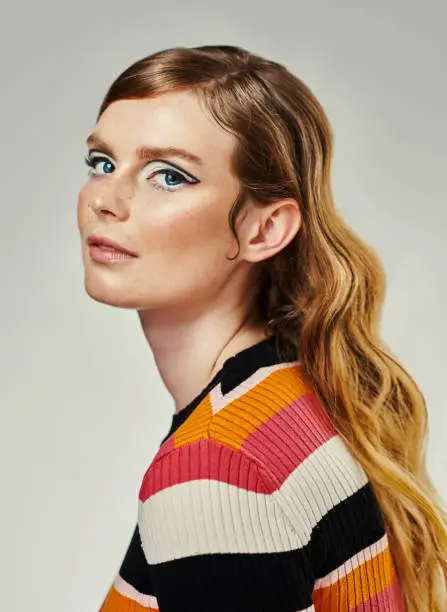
(254, 503)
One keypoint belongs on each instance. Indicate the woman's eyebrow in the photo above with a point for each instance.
(147, 153)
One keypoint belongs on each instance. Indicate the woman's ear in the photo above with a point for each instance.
(268, 229)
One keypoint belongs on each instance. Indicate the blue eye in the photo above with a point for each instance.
(92, 161)
(172, 180)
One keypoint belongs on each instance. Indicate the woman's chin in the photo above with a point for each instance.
(112, 296)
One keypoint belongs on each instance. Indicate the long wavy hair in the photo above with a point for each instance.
(323, 293)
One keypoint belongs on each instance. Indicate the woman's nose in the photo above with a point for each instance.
(112, 202)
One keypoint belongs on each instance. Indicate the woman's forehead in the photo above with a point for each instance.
(174, 119)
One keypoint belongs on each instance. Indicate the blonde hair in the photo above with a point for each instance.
(324, 292)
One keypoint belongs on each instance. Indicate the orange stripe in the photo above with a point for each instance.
(196, 425)
(285, 384)
(239, 418)
(357, 586)
(115, 602)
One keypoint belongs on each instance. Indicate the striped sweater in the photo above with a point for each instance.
(253, 503)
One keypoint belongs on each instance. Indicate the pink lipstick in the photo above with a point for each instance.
(105, 250)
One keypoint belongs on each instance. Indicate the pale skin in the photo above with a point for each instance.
(194, 305)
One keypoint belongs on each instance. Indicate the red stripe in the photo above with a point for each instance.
(290, 436)
(203, 459)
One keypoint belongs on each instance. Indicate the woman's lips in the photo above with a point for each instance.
(106, 254)
(106, 250)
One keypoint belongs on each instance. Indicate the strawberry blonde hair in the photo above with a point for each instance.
(323, 293)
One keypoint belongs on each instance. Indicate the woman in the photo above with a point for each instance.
(293, 476)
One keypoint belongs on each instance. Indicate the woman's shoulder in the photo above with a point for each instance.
(282, 425)
(276, 419)
(274, 423)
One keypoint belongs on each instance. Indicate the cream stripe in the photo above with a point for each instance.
(219, 401)
(209, 516)
(326, 477)
(127, 590)
(204, 516)
(361, 557)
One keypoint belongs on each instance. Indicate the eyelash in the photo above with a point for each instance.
(92, 161)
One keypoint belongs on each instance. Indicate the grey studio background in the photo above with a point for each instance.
(82, 407)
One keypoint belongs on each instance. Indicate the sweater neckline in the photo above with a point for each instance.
(234, 370)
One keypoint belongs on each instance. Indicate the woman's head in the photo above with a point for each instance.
(265, 144)
(171, 209)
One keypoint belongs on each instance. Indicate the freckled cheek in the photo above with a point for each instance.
(186, 233)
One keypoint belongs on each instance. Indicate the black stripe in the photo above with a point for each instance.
(280, 582)
(134, 568)
(247, 362)
(345, 530)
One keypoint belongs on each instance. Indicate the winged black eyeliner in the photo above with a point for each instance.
(164, 161)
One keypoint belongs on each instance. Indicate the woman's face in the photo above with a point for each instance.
(172, 212)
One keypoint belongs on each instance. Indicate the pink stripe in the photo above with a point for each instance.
(390, 598)
(290, 435)
(203, 459)
(165, 448)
